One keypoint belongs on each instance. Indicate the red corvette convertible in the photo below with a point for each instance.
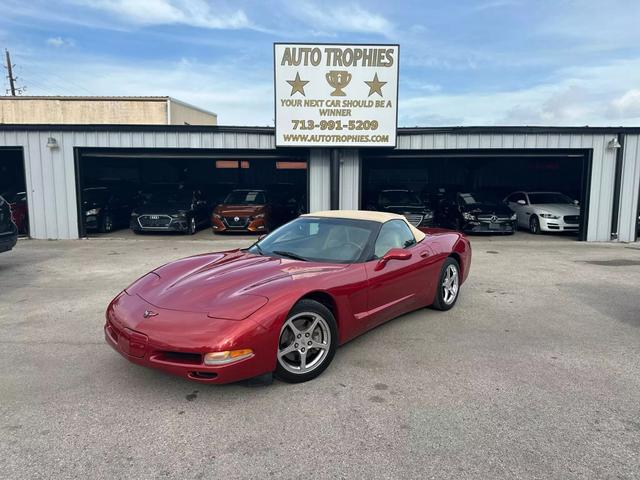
(285, 304)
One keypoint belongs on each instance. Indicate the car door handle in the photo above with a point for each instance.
(424, 254)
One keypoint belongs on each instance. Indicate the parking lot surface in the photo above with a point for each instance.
(534, 374)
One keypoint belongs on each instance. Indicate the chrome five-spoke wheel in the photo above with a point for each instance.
(307, 342)
(450, 284)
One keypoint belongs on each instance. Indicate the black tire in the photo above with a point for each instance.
(299, 309)
(534, 225)
(192, 228)
(440, 303)
(106, 225)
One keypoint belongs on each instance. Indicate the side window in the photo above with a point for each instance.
(393, 234)
(517, 196)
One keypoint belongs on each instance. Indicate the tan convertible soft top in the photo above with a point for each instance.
(380, 217)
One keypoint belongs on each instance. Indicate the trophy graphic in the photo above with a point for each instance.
(338, 79)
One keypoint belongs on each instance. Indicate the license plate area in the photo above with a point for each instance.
(132, 343)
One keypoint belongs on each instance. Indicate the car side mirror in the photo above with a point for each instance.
(393, 254)
(521, 202)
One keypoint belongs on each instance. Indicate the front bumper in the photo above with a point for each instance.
(250, 225)
(180, 224)
(490, 227)
(557, 225)
(157, 343)
(8, 240)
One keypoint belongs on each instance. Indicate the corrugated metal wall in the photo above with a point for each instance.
(629, 189)
(603, 169)
(50, 173)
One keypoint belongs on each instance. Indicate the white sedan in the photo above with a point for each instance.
(545, 211)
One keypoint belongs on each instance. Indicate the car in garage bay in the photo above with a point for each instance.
(8, 229)
(19, 210)
(105, 208)
(404, 202)
(170, 208)
(287, 302)
(475, 212)
(249, 210)
(545, 211)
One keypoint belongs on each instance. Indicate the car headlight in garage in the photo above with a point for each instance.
(428, 215)
(93, 211)
(219, 217)
(179, 215)
(258, 216)
(514, 217)
(229, 356)
(549, 215)
(468, 216)
(134, 214)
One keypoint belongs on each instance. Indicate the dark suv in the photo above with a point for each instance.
(8, 229)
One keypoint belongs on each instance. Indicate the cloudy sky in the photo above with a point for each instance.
(463, 62)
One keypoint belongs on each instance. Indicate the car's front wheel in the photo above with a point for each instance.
(534, 225)
(307, 343)
(448, 285)
(192, 227)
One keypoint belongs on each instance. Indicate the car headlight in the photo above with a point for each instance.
(258, 216)
(179, 215)
(514, 216)
(134, 214)
(93, 211)
(219, 217)
(549, 215)
(229, 356)
(468, 216)
(428, 215)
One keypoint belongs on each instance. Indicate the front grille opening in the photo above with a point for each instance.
(204, 375)
(181, 357)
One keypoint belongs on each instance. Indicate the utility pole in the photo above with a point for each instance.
(12, 79)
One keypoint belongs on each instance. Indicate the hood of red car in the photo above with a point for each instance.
(228, 285)
(240, 210)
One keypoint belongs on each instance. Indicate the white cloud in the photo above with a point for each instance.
(596, 95)
(59, 42)
(628, 105)
(237, 95)
(196, 13)
(341, 18)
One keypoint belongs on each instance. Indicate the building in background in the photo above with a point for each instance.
(101, 111)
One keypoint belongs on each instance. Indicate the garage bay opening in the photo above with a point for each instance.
(186, 191)
(13, 186)
(489, 192)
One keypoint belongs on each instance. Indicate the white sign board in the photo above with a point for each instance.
(336, 95)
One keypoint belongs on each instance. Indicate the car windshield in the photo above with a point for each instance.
(95, 195)
(541, 198)
(399, 197)
(169, 194)
(332, 240)
(245, 197)
(477, 198)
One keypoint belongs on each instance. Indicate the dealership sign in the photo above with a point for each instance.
(336, 95)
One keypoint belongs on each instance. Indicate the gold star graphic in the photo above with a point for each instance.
(375, 86)
(297, 85)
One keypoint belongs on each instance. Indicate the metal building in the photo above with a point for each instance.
(608, 158)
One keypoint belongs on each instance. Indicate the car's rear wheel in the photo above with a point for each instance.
(448, 285)
(307, 343)
(534, 225)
